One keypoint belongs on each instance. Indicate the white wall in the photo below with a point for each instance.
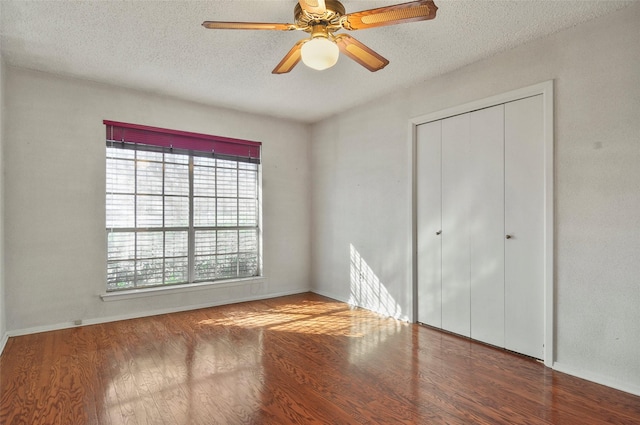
(3, 315)
(361, 190)
(361, 202)
(54, 155)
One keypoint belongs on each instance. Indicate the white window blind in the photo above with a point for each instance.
(177, 217)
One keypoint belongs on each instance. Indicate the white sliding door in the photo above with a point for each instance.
(486, 206)
(428, 173)
(524, 226)
(455, 225)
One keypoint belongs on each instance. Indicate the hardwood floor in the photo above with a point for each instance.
(302, 359)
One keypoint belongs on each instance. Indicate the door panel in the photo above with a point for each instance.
(486, 195)
(486, 165)
(455, 225)
(428, 150)
(524, 223)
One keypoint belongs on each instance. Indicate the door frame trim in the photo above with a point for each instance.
(546, 90)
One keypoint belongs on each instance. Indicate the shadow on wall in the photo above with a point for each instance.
(367, 290)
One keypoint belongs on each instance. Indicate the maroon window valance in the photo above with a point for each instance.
(183, 140)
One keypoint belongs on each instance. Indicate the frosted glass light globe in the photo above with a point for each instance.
(320, 53)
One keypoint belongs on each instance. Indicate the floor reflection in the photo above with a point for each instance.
(295, 360)
(217, 369)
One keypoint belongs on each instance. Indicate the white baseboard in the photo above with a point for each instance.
(597, 378)
(99, 320)
(348, 301)
(3, 342)
(329, 295)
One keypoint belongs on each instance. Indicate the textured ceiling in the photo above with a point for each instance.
(160, 46)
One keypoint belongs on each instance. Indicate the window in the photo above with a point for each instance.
(180, 207)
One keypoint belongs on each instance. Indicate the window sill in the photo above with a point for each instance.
(177, 289)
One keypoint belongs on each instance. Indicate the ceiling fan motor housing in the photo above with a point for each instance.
(330, 18)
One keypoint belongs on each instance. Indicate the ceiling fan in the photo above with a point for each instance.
(322, 18)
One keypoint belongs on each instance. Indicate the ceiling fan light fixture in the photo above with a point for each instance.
(322, 19)
(320, 53)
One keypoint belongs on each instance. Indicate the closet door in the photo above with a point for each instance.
(455, 225)
(486, 165)
(428, 151)
(524, 226)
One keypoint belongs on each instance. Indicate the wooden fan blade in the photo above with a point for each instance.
(218, 25)
(390, 15)
(360, 53)
(291, 59)
(315, 7)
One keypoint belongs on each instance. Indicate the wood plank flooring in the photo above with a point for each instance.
(303, 359)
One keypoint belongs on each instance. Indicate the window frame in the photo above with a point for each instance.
(217, 162)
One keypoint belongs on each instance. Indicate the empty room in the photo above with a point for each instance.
(319, 212)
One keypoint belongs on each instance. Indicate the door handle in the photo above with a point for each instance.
(438, 232)
(509, 236)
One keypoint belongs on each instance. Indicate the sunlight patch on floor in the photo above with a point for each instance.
(318, 318)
